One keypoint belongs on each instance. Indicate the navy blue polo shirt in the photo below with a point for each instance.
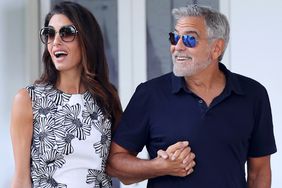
(236, 125)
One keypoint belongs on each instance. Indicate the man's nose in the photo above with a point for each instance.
(180, 45)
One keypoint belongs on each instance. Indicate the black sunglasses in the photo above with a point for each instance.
(188, 40)
(67, 34)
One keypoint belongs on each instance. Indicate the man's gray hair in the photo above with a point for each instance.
(216, 23)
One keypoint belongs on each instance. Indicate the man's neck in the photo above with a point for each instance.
(207, 84)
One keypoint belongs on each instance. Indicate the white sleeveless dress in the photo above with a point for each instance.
(71, 140)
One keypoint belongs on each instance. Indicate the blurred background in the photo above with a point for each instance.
(137, 47)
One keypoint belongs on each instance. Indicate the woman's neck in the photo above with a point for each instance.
(70, 83)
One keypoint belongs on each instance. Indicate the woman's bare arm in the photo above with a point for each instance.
(21, 134)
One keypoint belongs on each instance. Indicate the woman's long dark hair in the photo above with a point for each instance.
(95, 73)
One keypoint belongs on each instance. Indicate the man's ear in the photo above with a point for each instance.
(218, 48)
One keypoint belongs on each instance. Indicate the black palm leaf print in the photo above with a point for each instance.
(103, 165)
(35, 177)
(103, 145)
(99, 178)
(43, 178)
(64, 144)
(60, 118)
(35, 163)
(74, 124)
(50, 182)
(44, 107)
(44, 137)
(93, 114)
(52, 159)
(38, 91)
(88, 97)
(59, 128)
(31, 92)
(61, 123)
(59, 98)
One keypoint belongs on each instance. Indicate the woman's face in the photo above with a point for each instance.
(66, 56)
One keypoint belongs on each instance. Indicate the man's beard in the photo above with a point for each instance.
(189, 67)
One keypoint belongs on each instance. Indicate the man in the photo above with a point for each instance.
(226, 117)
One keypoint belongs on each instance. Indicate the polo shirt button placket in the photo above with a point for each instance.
(203, 107)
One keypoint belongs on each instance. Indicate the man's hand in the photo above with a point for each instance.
(181, 154)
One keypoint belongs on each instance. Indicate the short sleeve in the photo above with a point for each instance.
(132, 132)
(262, 141)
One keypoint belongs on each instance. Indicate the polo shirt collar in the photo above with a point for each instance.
(232, 82)
(177, 83)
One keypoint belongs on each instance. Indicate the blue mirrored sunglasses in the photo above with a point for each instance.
(188, 40)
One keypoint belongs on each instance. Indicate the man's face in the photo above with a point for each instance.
(189, 61)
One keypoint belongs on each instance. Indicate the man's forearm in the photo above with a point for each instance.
(262, 180)
(259, 172)
(130, 169)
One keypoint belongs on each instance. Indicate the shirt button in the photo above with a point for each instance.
(201, 101)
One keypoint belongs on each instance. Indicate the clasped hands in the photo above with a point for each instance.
(177, 159)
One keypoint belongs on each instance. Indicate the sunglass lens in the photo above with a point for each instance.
(47, 35)
(173, 38)
(67, 33)
(189, 41)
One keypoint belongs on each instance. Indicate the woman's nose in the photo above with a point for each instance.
(57, 39)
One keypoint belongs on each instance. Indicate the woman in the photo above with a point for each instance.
(61, 125)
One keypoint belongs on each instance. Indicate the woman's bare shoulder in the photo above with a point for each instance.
(22, 106)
